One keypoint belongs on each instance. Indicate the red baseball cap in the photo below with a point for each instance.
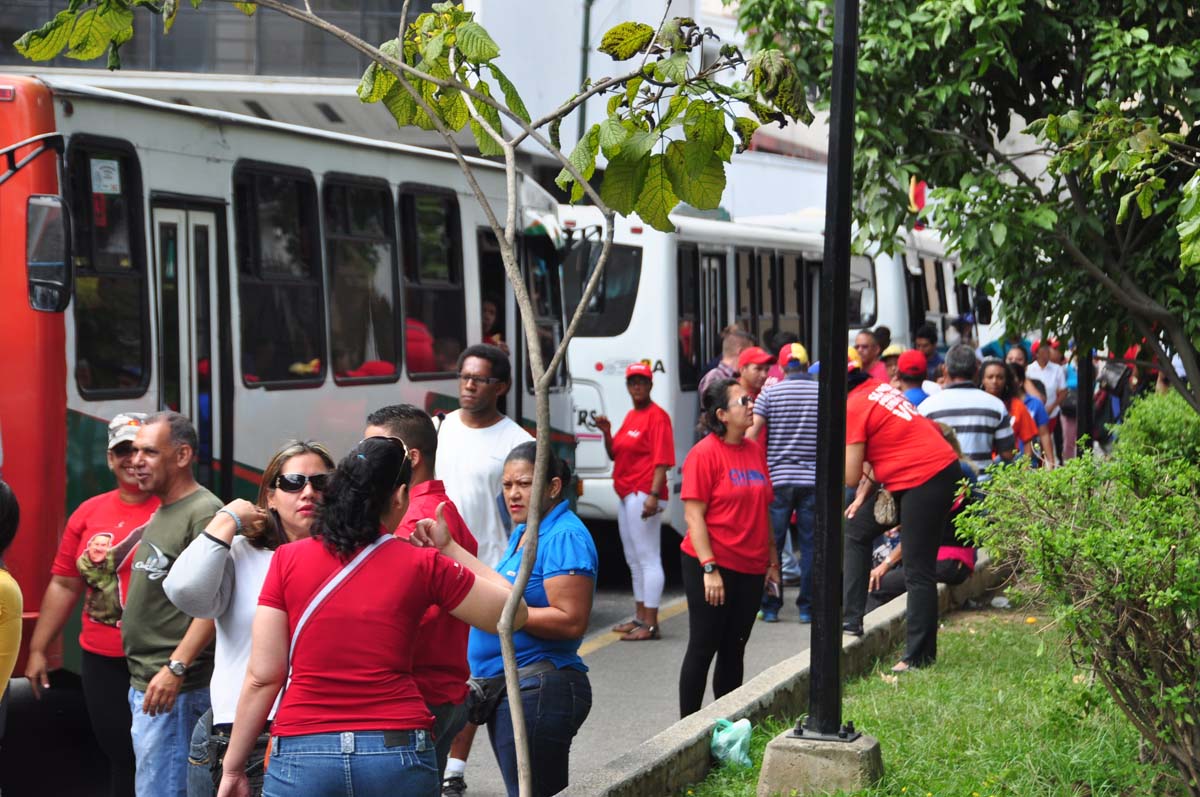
(755, 355)
(639, 369)
(1051, 342)
(912, 363)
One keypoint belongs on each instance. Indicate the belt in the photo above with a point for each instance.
(537, 668)
(226, 729)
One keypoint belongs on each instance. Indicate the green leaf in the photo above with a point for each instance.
(725, 148)
(1123, 208)
(375, 84)
(487, 145)
(511, 98)
(675, 107)
(704, 123)
(1188, 227)
(95, 29)
(453, 108)
(1145, 200)
(246, 8)
(170, 9)
(657, 199)
(623, 180)
(631, 90)
(697, 176)
(475, 43)
(672, 69)
(745, 129)
(626, 40)
(434, 48)
(639, 143)
(612, 135)
(400, 105)
(583, 158)
(47, 41)
(999, 233)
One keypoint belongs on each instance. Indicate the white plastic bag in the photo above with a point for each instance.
(731, 742)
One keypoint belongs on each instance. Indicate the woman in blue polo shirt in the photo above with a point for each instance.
(555, 691)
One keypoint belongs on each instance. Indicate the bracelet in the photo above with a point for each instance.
(707, 561)
(237, 520)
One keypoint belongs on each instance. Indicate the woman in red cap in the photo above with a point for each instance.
(642, 450)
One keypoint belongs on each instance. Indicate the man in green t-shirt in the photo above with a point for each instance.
(169, 654)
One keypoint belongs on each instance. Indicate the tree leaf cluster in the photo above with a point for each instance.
(1111, 543)
(1059, 140)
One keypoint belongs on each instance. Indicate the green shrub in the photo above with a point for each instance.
(1114, 545)
(1161, 425)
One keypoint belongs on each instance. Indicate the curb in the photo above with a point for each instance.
(679, 755)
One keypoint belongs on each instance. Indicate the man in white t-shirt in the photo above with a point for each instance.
(1054, 378)
(473, 442)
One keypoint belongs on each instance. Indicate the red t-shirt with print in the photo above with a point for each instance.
(97, 546)
(644, 441)
(905, 448)
(440, 658)
(352, 666)
(732, 480)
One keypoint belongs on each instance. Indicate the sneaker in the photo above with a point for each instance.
(769, 616)
(805, 616)
(454, 786)
(853, 629)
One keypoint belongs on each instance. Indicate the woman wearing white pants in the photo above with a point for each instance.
(642, 450)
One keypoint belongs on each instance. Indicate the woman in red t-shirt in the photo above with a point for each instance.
(889, 444)
(352, 720)
(94, 560)
(642, 451)
(729, 547)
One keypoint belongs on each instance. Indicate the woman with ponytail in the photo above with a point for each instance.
(336, 620)
(219, 575)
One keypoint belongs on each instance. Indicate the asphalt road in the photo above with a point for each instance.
(48, 750)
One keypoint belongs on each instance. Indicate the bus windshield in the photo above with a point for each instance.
(611, 307)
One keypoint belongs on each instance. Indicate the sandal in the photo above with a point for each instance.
(628, 625)
(902, 667)
(641, 633)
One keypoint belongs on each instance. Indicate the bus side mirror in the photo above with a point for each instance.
(983, 308)
(48, 253)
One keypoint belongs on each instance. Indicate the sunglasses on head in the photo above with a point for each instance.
(394, 441)
(294, 482)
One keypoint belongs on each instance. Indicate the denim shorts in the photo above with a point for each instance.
(353, 763)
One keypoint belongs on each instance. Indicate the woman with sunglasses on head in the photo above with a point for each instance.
(219, 576)
(93, 560)
(729, 549)
(336, 621)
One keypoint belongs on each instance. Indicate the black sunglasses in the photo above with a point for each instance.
(294, 482)
(122, 449)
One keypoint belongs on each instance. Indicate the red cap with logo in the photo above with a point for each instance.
(639, 369)
(754, 355)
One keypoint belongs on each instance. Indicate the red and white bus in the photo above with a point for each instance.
(270, 281)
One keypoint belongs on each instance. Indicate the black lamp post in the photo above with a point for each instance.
(825, 686)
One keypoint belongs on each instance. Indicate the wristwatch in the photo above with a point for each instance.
(177, 668)
(710, 567)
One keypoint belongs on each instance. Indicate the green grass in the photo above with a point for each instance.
(1004, 712)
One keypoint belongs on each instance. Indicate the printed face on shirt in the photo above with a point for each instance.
(97, 547)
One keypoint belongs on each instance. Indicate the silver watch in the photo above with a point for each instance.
(177, 668)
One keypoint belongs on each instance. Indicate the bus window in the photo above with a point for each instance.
(862, 292)
(688, 283)
(791, 292)
(279, 277)
(112, 353)
(933, 296)
(360, 246)
(435, 326)
(764, 292)
(611, 307)
(545, 293)
(745, 290)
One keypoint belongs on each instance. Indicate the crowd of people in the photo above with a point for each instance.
(338, 634)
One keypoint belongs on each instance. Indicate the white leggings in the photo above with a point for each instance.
(642, 541)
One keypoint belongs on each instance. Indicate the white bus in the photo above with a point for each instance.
(666, 297)
(268, 280)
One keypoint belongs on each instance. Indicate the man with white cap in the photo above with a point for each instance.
(94, 559)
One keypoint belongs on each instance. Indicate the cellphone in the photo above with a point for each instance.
(774, 589)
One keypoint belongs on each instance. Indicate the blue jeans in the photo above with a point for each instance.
(556, 703)
(803, 501)
(353, 763)
(160, 743)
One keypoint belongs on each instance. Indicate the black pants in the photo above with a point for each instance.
(923, 510)
(891, 586)
(720, 631)
(106, 694)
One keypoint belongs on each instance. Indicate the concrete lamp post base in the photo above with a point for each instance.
(793, 765)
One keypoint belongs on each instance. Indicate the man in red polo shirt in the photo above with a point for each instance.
(440, 653)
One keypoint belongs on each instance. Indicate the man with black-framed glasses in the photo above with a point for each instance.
(473, 442)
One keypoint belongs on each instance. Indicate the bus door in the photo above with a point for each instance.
(187, 273)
